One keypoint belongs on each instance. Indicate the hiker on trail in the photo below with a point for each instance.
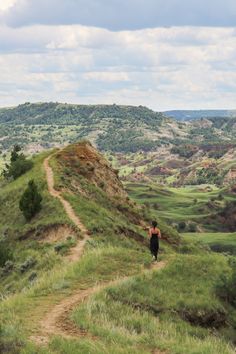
(154, 235)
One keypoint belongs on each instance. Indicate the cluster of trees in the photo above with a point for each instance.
(229, 215)
(18, 164)
(56, 113)
(183, 227)
(185, 151)
(30, 201)
(217, 154)
(209, 176)
(126, 141)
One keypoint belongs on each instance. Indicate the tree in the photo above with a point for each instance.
(30, 202)
(18, 166)
(181, 226)
(15, 153)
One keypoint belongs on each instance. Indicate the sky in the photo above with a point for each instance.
(164, 54)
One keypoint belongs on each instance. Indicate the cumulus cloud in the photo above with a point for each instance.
(119, 15)
(163, 68)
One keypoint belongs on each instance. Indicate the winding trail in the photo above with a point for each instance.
(75, 252)
(57, 321)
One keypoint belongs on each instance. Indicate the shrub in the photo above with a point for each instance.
(8, 267)
(181, 226)
(5, 252)
(63, 247)
(226, 286)
(30, 202)
(192, 227)
(28, 264)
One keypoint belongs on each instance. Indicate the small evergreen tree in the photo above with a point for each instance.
(30, 202)
(18, 166)
(15, 153)
(181, 226)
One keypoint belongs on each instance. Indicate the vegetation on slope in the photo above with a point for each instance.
(140, 314)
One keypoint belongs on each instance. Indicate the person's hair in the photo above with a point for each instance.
(154, 224)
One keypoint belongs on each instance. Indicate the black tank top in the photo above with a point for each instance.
(155, 235)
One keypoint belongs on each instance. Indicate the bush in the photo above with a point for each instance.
(30, 202)
(226, 287)
(5, 253)
(8, 267)
(28, 264)
(63, 247)
(181, 226)
(192, 227)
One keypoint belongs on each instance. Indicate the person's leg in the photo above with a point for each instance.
(152, 248)
(157, 249)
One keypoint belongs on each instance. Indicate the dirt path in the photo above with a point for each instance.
(57, 320)
(75, 252)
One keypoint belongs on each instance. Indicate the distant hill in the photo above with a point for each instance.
(58, 113)
(142, 143)
(110, 127)
(186, 115)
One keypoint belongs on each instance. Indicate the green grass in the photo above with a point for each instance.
(10, 194)
(189, 204)
(20, 313)
(149, 310)
(22, 237)
(175, 310)
(219, 242)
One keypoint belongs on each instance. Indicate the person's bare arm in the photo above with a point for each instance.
(159, 234)
(149, 233)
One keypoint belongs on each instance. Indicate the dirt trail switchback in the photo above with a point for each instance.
(57, 321)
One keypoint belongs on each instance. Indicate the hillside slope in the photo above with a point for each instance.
(111, 300)
(42, 125)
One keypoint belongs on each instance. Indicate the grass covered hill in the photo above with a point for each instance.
(57, 113)
(142, 143)
(108, 297)
(56, 123)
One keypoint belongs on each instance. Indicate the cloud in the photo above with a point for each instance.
(6, 4)
(163, 68)
(117, 15)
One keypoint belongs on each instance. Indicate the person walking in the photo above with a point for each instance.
(154, 235)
